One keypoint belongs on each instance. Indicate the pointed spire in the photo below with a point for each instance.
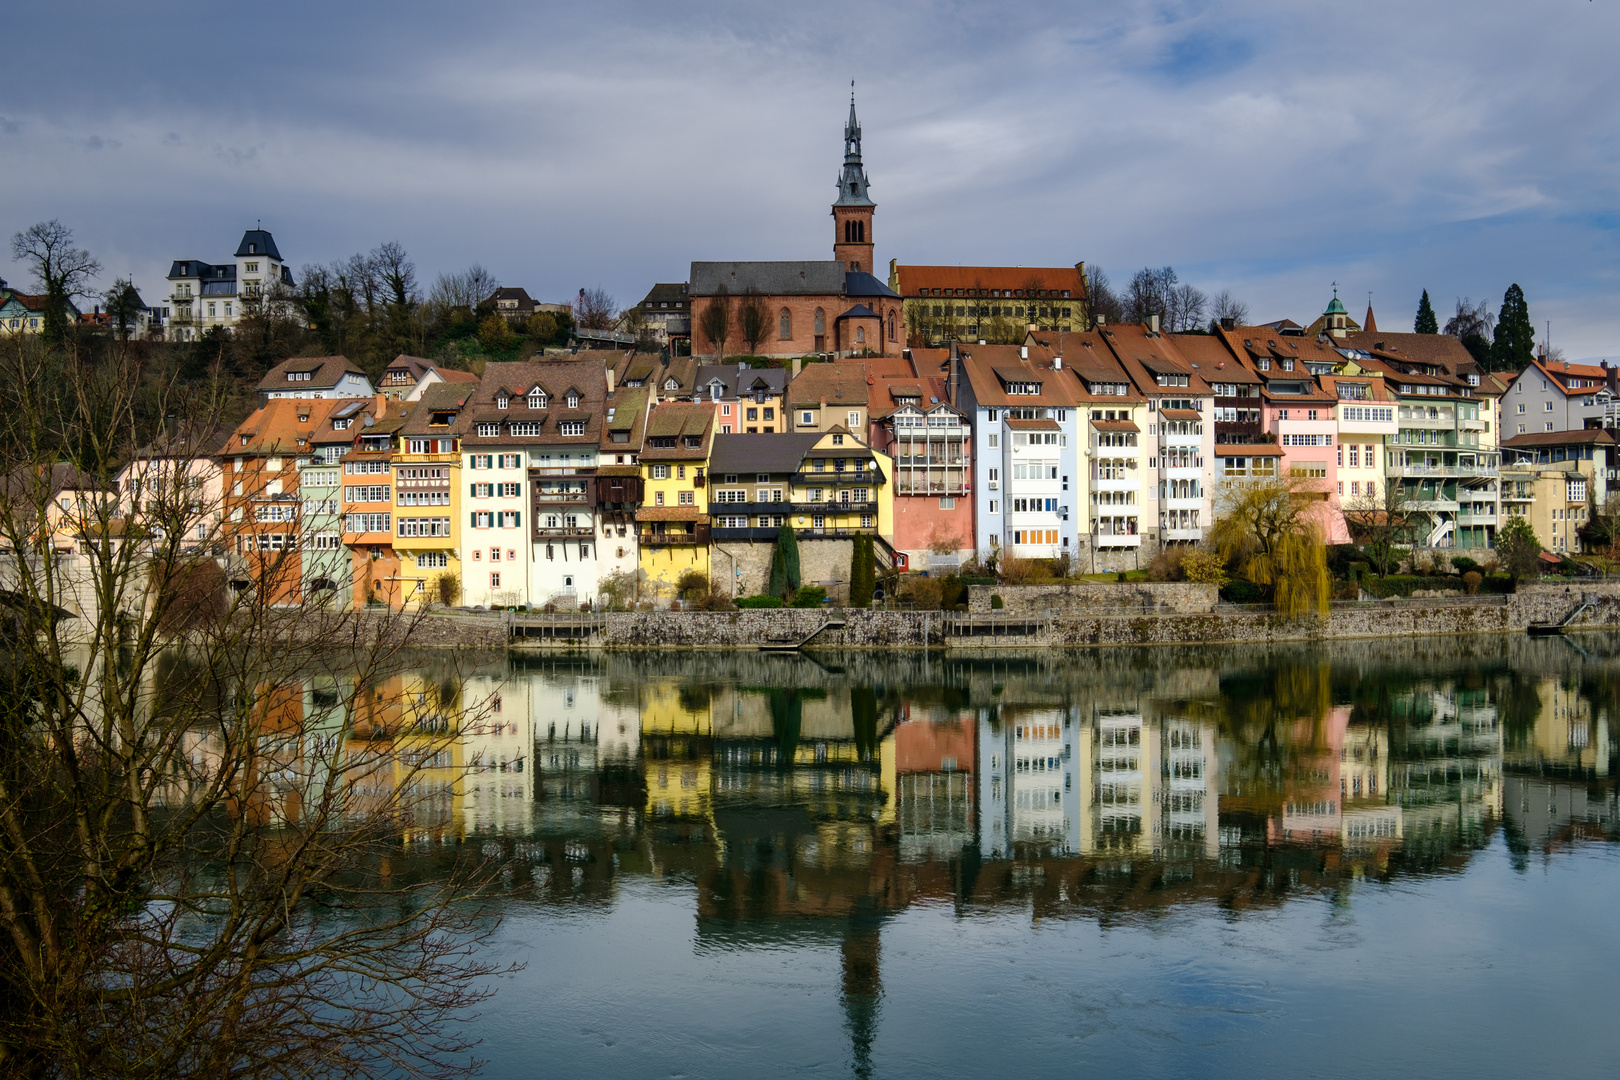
(852, 183)
(1370, 325)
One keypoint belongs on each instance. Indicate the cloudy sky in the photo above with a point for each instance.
(1269, 148)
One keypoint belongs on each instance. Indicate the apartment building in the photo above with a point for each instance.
(1180, 432)
(1113, 474)
(673, 522)
(367, 505)
(531, 437)
(1557, 480)
(1025, 414)
(262, 462)
(824, 396)
(996, 304)
(915, 420)
(619, 486)
(315, 377)
(428, 505)
(1560, 396)
(747, 400)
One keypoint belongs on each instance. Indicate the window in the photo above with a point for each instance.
(569, 427)
(482, 461)
(686, 498)
(821, 322)
(495, 579)
(509, 490)
(511, 461)
(807, 417)
(852, 421)
(502, 402)
(660, 472)
(573, 403)
(860, 335)
(658, 498)
(419, 527)
(537, 399)
(524, 428)
(784, 325)
(489, 431)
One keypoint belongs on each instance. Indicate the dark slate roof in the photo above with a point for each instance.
(860, 283)
(188, 268)
(859, 311)
(665, 293)
(741, 380)
(261, 242)
(759, 453)
(799, 278)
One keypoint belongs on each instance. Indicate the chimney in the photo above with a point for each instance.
(1228, 322)
(1153, 324)
(1102, 320)
(796, 362)
(381, 406)
(1613, 376)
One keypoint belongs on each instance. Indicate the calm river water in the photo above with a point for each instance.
(1359, 860)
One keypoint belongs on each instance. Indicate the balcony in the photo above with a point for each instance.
(544, 532)
(931, 487)
(1181, 534)
(697, 537)
(1486, 471)
(1188, 502)
(1128, 484)
(1116, 540)
(1476, 519)
(749, 535)
(579, 497)
(569, 470)
(866, 478)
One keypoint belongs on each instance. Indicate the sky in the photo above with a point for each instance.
(1269, 148)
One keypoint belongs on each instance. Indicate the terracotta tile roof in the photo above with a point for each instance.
(837, 383)
(280, 426)
(1136, 348)
(1248, 450)
(1181, 414)
(671, 513)
(988, 367)
(1115, 425)
(557, 379)
(909, 281)
(1439, 349)
(1033, 425)
(1595, 436)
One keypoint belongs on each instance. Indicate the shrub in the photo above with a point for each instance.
(809, 596)
(1345, 589)
(996, 602)
(1463, 564)
(692, 585)
(923, 592)
(586, 606)
(759, 602)
(1471, 580)
(447, 587)
(1242, 592)
(1167, 564)
(1203, 567)
(1016, 571)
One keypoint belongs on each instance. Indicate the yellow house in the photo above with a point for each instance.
(673, 522)
(843, 488)
(427, 496)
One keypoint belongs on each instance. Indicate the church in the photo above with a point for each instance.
(836, 307)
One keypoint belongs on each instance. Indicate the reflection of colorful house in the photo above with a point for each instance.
(498, 744)
(935, 769)
(1031, 796)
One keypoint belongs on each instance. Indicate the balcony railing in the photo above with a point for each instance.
(1443, 470)
(563, 531)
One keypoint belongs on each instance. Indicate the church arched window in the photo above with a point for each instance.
(891, 327)
(860, 335)
(784, 329)
(821, 321)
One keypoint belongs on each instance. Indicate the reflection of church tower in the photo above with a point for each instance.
(852, 211)
(863, 986)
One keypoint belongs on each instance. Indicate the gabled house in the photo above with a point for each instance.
(748, 400)
(314, 377)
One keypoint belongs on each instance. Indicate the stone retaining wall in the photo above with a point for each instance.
(1093, 597)
(734, 630)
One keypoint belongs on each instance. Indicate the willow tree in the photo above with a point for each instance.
(1268, 532)
(203, 791)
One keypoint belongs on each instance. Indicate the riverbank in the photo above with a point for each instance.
(1094, 615)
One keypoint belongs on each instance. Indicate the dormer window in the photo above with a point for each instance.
(502, 401)
(573, 401)
(672, 384)
(1023, 388)
(537, 399)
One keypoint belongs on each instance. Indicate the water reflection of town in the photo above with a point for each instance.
(1102, 784)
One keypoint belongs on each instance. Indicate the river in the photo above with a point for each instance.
(1360, 859)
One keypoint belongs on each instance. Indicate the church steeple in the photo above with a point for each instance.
(852, 210)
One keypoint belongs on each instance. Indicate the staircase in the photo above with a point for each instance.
(793, 641)
(1441, 533)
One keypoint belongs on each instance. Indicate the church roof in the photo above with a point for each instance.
(809, 277)
(860, 283)
(859, 311)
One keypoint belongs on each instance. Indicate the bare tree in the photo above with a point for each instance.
(1187, 307)
(1381, 520)
(1226, 307)
(61, 270)
(716, 321)
(1475, 326)
(1149, 294)
(595, 309)
(753, 318)
(1101, 299)
(202, 791)
(481, 285)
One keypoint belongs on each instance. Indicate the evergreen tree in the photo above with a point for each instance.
(1427, 322)
(862, 573)
(785, 564)
(1515, 342)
